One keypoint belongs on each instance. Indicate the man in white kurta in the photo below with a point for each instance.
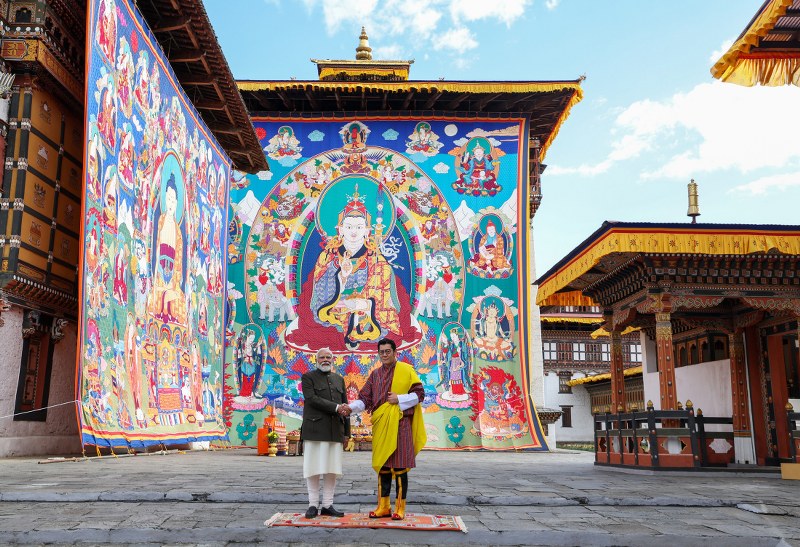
(324, 431)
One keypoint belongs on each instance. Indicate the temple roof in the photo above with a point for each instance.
(548, 103)
(768, 50)
(616, 244)
(184, 32)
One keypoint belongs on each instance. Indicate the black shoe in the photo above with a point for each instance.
(311, 512)
(331, 512)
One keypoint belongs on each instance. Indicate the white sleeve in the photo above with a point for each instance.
(356, 406)
(407, 400)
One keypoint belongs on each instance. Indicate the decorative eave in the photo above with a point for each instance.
(616, 243)
(547, 103)
(606, 376)
(184, 31)
(349, 70)
(768, 51)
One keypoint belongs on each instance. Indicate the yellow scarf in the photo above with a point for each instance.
(386, 419)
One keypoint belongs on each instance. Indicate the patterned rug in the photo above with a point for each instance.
(413, 521)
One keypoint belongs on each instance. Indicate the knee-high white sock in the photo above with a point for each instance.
(313, 490)
(328, 486)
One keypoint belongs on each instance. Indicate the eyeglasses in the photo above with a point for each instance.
(385, 351)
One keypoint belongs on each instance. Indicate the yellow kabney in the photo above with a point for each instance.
(386, 419)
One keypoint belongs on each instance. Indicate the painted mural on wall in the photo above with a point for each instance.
(373, 228)
(152, 331)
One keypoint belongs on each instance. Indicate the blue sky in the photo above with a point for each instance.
(652, 117)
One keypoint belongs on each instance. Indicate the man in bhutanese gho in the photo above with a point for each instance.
(393, 394)
(324, 431)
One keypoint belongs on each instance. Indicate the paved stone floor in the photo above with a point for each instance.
(224, 497)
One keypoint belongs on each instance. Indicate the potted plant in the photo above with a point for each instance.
(272, 437)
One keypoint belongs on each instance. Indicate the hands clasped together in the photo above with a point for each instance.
(345, 410)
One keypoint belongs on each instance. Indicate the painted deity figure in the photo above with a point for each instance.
(141, 91)
(107, 29)
(284, 145)
(477, 169)
(120, 290)
(454, 367)
(489, 259)
(498, 402)
(423, 141)
(110, 195)
(355, 295)
(249, 366)
(125, 77)
(107, 115)
(492, 342)
(168, 298)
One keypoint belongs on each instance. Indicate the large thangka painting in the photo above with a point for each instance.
(155, 209)
(369, 228)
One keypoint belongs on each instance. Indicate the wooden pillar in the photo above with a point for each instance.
(617, 376)
(666, 361)
(741, 413)
(742, 436)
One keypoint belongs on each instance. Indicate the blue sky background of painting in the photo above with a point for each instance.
(651, 119)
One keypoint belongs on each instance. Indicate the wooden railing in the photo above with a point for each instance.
(665, 439)
(794, 433)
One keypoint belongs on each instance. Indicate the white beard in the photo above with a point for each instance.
(324, 368)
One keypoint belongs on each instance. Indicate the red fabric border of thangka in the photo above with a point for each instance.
(362, 520)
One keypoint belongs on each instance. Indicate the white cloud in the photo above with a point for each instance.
(389, 51)
(715, 55)
(425, 20)
(551, 4)
(712, 127)
(506, 11)
(773, 182)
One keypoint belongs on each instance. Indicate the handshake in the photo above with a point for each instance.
(344, 410)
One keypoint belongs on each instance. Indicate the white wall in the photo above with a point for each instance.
(57, 435)
(707, 385)
(582, 429)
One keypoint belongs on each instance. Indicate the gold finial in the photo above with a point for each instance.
(694, 205)
(649, 405)
(689, 404)
(680, 405)
(363, 51)
(789, 407)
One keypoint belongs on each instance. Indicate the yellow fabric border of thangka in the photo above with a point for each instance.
(748, 72)
(435, 87)
(712, 241)
(605, 376)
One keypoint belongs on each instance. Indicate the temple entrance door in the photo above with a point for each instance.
(782, 365)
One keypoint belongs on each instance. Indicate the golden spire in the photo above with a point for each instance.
(363, 51)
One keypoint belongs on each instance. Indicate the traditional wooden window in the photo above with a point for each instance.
(34, 375)
(605, 352)
(635, 352)
(579, 351)
(563, 382)
(550, 351)
(23, 15)
(566, 416)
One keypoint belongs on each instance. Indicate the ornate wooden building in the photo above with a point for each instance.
(42, 125)
(718, 307)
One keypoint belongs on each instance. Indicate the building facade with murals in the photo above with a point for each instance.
(192, 294)
(393, 208)
(48, 132)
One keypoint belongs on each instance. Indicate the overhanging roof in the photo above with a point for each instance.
(768, 50)
(547, 103)
(615, 244)
(184, 32)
